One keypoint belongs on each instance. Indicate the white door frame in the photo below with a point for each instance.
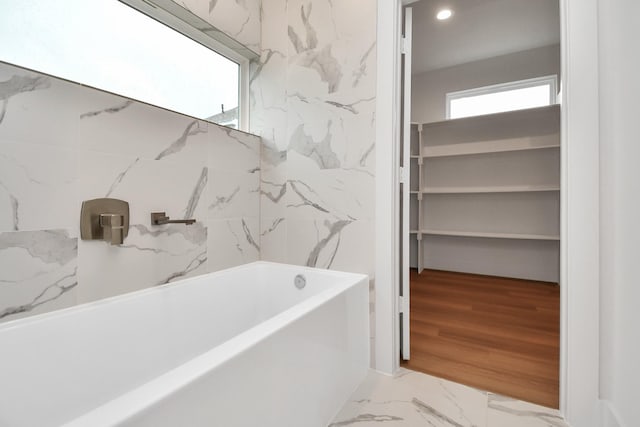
(405, 300)
(580, 204)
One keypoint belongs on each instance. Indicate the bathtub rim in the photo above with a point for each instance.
(63, 312)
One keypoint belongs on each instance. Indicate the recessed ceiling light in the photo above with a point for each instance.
(444, 14)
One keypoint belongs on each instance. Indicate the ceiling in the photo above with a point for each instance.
(480, 29)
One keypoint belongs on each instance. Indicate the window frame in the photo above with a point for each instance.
(551, 80)
(200, 31)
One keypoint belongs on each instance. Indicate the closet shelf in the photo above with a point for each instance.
(489, 189)
(488, 147)
(545, 116)
(469, 163)
(517, 236)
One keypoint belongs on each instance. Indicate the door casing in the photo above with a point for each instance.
(580, 204)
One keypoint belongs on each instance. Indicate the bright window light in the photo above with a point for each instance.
(511, 96)
(110, 46)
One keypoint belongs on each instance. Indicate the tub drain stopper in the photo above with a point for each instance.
(300, 281)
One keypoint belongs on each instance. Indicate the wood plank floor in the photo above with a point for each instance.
(492, 333)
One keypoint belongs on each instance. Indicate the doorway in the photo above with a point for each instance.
(482, 200)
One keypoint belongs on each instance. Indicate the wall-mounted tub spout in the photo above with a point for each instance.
(161, 218)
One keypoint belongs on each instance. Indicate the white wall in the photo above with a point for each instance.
(620, 191)
(429, 89)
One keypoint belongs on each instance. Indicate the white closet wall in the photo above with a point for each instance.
(430, 88)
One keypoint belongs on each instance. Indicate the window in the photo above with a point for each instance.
(112, 46)
(511, 96)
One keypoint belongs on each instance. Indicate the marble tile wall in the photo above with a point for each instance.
(313, 103)
(62, 143)
(312, 100)
(239, 19)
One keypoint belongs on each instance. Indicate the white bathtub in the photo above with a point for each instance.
(239, 347)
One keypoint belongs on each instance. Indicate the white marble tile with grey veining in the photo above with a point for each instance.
(507, 412)
(271, 124)
(414, 399)
(313, 102)
(38, 109)
(336, 138)
(177, 188)
(337, 244)
(38, 187)
(268, 98)
(315, 243)
(38, 272)
(356, 248)
(15, 82)
(149, 256)
(273, 212)
(331, 96)
(268, 86)
(311, 36)
(273, 192)
(332, 49)
(234, 194)
(233, 242)
(269, 115)
(239, 19)
(273, 239)
(322, 194)
(229, 149)
(198, 8)
(274, 26)
(116, 125)
(352, 133)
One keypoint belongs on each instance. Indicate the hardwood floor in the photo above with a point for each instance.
(497, 334)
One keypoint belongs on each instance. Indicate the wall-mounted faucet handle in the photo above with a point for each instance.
(104, 219)
(113, 228)
(161, 218)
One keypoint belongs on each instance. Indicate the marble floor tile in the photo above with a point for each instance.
(414, 399)
(507, 412)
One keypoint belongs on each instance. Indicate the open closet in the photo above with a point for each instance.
(484, 195)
